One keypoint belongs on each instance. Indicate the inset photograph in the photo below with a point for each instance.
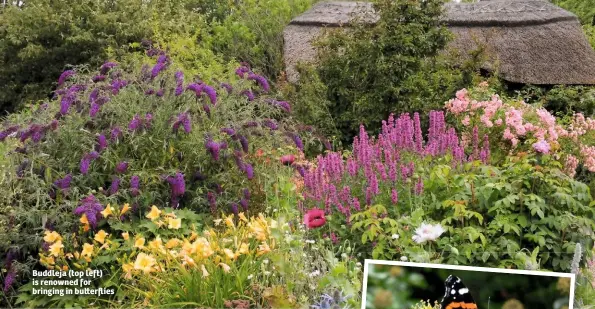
(403, 285)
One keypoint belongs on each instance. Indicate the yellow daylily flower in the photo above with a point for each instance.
(56, 248)
(156, 244)
(243, 217)
(139, 243)
(243, 248)
(229, 254)
(172, 243)
(125, 209)
(128, 267)
(217, 221)
(154, 213)
(144, 262)
(225, 267)
(87, 250)
(174, 223)
(125, 235)
(109, 210)
(100, 236)
(205, 273)
(52, 236)
(263, 249)
(186, 260)
(229, 222)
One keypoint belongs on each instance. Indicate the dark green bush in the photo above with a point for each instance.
(393, 66)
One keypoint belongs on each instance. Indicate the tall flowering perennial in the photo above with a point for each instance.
(523, 127)
(184, 120)
(178, 188)
(86, 161)
(134, 185)
(377, 164)
(64, 76)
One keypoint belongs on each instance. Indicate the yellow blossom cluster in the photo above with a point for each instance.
(221, 246)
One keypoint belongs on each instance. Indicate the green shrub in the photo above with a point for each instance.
(183, 148)
(371, 71)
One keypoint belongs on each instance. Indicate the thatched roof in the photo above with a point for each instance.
(527, 41)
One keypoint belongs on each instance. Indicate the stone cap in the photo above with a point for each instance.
(480, 14)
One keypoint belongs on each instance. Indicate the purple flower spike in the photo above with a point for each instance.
(298, 141)
(63, 183)
(214, 148)
(184, 120)
(94, 109)
(157, 69)
(178, 187)
(106, 67)
(207, 109)
(135, 123)
(9, 279)
(101, 143)
(115, 186)
(98, 78)
(269, 123)
(284, 105)
(150, 91)
(229, 131)
(91, 207)
(227, 87)
(122, 167)
(241, 71)
(248, 94)
(115, 134)
(197, 88)
(264, 84)
(249, 170)
(134, 185)
(64, 76)
(246, 193)
(179, 75)
(234, 208)
(160, 92)
(211, 93)
(244, 142)
(179, 90)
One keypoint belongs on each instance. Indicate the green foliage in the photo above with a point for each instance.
(391, 67)
(583, 9)
(561, 99)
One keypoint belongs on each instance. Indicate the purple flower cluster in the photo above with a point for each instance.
(242, 70)
(98, 78)
(63, 183)
(214, 148)
(284, 105)
(271, 124)
(248, 94)
(106, 67)
(134, 185)
(64, 76)
(115, 186)
(91, 207)
(9, 279)
(137, 123)
(178, 188)
(184, 120)
(35, 131)
(162, 63)
(117, 85)
(6, 133)
(122, 167)
(101, 143)
(227, 87)
(115, 134)
(264, 84)
(86, 161)
(179, 83)
(200, 88)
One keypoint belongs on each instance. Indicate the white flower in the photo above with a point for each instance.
(310, 241)
(427, 232)
(344, 255)
(250, 277)
(404, 258)
(358, 264)
(266, 273)
(314, 273)
(265, 261)
(395, 236)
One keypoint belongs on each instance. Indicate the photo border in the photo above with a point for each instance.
(367, 262)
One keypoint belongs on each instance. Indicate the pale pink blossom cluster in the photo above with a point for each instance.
(570, 165)
(519, 121)
(588, 154)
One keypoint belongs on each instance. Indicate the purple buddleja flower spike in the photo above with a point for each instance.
(122, 167)
(227, 87)
(269, 123)
(284, 106)
(197, 88)
(94, 109)
(241, 71)
(135, 123)
(184, 120)
(91, 207)
(86, 162)
(115, 186)
(106, 67)
(248, 94)
(207, 109)
(10, 130)
(115, 134)
(234, 208)
(98, 78)
(66, 102)
(150, 91)
(54, 125)
(244, 204)
(159, 66)
(214, 148)
(178, 187)
(160, 93)
(134, 185)
(249, 170)
(211, 93)
(64, 183)
(9, 279)
(179, 75)
(101, 143)
(64, 76)
(94, 94)
(212, 202)
(246, 193)
(229, 131)
(264, 84)
(297, 141)
(179, 90)
(244, 143)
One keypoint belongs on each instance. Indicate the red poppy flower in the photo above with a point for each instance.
(314, 218)
(287, 159)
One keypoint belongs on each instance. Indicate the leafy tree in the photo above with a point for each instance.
(391, 67)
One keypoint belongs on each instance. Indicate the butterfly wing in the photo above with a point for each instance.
(457, 295)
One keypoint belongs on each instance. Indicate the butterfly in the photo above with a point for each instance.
(457, 295)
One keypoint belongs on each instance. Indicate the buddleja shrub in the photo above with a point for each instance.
(147, 137)
(400, 196)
